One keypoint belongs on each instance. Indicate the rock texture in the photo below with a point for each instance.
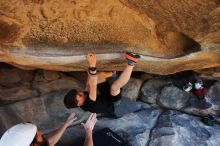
(174, 97)
(172, 36)
(213, 96)
(16, 85)
(166, 93)
(132, 88)
(151, 90)
(37, 96)
(174, 128)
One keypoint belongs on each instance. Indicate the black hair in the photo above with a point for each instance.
(70, 99)
(43, 143)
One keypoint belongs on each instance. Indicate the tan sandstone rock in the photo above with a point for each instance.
(171, 36)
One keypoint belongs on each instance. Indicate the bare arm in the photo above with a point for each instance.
(57, 134)
(92, 79)
(88, 126)
(93, 88)
(87, 84)
(88, 139)
(55, 137)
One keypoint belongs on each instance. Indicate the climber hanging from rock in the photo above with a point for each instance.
(27, 134)
(110, 95)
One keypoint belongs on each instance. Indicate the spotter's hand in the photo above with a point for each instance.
(72, 117)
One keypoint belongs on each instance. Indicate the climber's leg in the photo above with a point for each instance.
(103, 76)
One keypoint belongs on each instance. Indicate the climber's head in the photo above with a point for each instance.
(74, 98)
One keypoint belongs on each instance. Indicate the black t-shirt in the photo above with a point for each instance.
(103, 103)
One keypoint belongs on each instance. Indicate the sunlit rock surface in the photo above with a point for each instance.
(171, 36)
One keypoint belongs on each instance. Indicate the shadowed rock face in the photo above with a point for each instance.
(172, 36)
(37, 96)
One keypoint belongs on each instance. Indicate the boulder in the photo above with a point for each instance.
(17, 93)
(47, 112)
(151, 90)
(11, 77)
(56, 35)
(51, 75)
(37, 96)
(15, 85)
(135, 127)
(153, 127)
(45, 85)
(173, 97)
(161, 91)
(213, 96)
(14, 76)
(132, 88)
(174, 128)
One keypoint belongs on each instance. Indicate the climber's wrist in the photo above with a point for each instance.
(92, 71)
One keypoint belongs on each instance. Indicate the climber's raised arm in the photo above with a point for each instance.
(92, 76)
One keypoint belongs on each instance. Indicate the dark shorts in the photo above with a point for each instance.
(104, 89)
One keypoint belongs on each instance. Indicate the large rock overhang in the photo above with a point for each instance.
(56, 35)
